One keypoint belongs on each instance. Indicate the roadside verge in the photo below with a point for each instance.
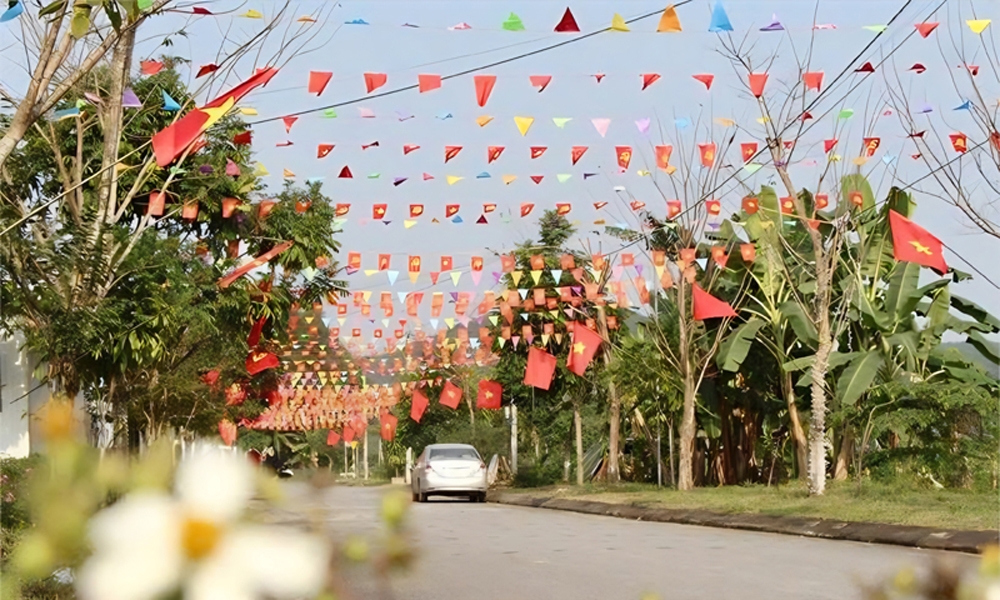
(873, 533)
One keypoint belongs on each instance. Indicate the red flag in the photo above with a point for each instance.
(171, 141)
(150, 67)
(568, 23)
(484, 87)
(348, 434)
(829, 144)
(822, 201)
(418, 406)
(323, 149)
(705, 78)
(244, 138)
(446, 263)
(451, 395)
(748, 252)
(489, 396)
(563, 208)
(428, 82)
(706, 306)
(332, 438)
(451, 152)
(261, 361)
(813, 79)
(913, 243)
(541, 368)
(707, 152)
(673, 208)
(748, 150)
(526, 208)
(493, 153)
(757, 82)
(387, 426)
(577, 152)
(750, 205)
(585, 344)
(865, 68)
(959, 142)
(318, 81)
(624, 154)
(649, 79)
(254, 338)
(871, 145)
(374, 81)
(925, 29)
(537, 151)
(540, 81)
(450, 210)
(227, 431)
(378, 210)
(206, 69)
(714, 207)
(345, 173)
(253, 264)
(663, 156)
(289, 121)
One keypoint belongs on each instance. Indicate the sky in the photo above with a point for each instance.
(386, 46)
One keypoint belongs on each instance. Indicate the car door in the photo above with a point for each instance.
(418, 471)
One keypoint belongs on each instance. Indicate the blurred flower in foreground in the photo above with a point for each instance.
(152, 544)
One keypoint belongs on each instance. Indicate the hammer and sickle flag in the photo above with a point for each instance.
(170, 142)
(624, 154)
(959, 142)
(913, 243)
(871, 145)
(493, 153)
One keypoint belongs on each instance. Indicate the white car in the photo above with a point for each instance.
(449, 470)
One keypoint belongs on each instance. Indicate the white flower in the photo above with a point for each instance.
(150, 544)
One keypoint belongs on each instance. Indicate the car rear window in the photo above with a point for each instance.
(454, 453)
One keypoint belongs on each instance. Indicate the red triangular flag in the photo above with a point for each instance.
(451, 152)
(289, 121)
(332, 438)
(865, 68)
(484, 87)
(649, 79)
(599, 77)
(254, 338)
(541, 368)
(913, 243)
(206, 69)
(490, 393)
(150, 67)
(537, 151)
(585, 344)
(428, 82)
(705, 78)
(540, 81)
(345, 173)
(318, 81)
(577, 152)
(451, 395)
(925, 29)
(243, 139)
(418, 405)
(493, 153)
(813, 79)
(323, 149)
(567, 24)
(536, 178)
(829, 144)
(482, 220)
(757, 82)
(707, 306)
(258, 362)
(374, 81)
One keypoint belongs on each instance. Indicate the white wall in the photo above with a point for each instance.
(19, 400)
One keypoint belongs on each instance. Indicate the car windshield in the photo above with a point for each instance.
(453, 453)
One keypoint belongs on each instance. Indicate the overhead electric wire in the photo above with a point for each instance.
(468, 71)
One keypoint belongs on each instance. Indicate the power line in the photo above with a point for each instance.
(503, 61)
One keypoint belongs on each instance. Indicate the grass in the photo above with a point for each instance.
(845, 501)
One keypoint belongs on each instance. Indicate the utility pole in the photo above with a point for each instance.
(511, 414)
(366, 454)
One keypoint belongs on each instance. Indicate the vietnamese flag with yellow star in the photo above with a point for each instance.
(173, 140)
(489, 395)
(586, 341)
(913, 243)
(451, 395)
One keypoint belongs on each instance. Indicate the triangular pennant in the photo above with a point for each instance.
(720, 20)
(669, 22)
(618, 23)
(523, 124)
(601, 125)
(484, 87)
(567, 24)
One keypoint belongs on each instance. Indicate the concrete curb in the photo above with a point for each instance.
(872, 533)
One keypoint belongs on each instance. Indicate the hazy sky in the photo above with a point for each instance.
(403, 52)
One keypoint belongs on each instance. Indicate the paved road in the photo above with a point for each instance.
(491, 551)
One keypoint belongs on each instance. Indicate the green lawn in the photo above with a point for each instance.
(873, 502)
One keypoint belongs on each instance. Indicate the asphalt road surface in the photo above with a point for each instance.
(497, 552)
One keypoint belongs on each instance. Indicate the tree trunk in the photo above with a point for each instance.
(614, 413)
(685, 478)
(845, 455)
(795, 424)
(578, 429)
(817, 422)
